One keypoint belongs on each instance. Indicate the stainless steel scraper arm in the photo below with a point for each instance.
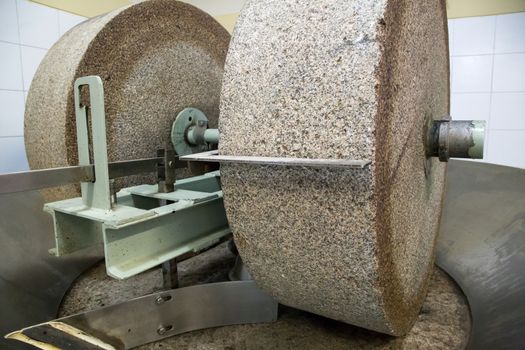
(214, 156)
(46, 178)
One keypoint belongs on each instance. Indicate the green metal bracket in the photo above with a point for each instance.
(144, 227)
(94, 194)
(140, 233)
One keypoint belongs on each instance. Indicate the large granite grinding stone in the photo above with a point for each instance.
(347, 80)
(155, 58)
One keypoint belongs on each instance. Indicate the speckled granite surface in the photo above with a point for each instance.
(155, 58)
(443, 322)
(337, 79)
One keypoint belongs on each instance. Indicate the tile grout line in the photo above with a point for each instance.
(451, 63)
(11, 136)
(31, 46)
(451, 49)
(487, 131)
(488, 92)
(13, 90)
(521, 130)
(17, 23)
(58, 24)
(491, 54)
(22, 75)
(20, 48)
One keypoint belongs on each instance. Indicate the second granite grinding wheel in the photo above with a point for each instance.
(155, 58)
(347, 80)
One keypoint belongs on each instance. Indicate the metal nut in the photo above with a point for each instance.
(161, 299)
(164, 329)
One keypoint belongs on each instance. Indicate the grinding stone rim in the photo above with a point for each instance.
(394, 305)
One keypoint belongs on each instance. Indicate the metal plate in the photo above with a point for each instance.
(32, 283)
(482, 247)
(45, 178)
(214, 156)
(161, 315)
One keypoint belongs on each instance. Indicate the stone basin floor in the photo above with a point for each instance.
(443, 322)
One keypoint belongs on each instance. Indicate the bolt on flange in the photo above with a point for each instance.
(190, 132)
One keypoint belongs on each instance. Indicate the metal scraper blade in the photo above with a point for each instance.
(45, 178)
(214, 156)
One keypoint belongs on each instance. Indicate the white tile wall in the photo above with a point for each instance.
(468, 106)
(12, 154)
(488, 81)
(67, 20)
(10, 67)
(509, 72)
(472, 73)
(8, 21)
(510, 33)
(506, 147)
(27, 31)
(31, 58)
(482, 43)
(451, 37)
(508, 111)
(38, 24)
(12, 113)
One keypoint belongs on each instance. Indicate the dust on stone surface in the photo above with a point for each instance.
(443, 323)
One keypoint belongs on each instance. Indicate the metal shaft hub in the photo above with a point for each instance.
(456, 139)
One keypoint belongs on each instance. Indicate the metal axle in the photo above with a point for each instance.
(200, 136)
(456, 139)
(445, 139)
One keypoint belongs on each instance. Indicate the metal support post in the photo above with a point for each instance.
(170, 276)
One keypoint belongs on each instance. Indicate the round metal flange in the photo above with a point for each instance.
(187, 118)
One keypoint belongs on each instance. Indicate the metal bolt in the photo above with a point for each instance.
(164, 329)
(113, 192)
(161, 299)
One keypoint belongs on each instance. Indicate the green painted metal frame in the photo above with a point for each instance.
(144, 227)
(94, 194)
